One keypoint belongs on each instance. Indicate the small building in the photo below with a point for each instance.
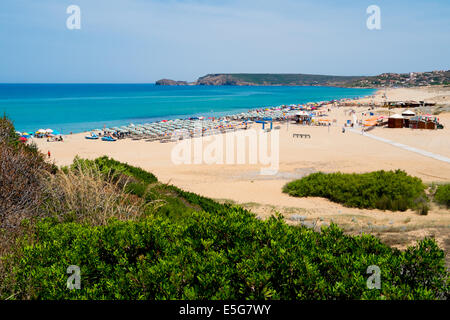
(422, 123)
(302, 117)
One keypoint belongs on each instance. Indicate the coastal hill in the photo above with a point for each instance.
(413, 79)
(266, 79)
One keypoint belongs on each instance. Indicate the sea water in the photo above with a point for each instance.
(82, 107)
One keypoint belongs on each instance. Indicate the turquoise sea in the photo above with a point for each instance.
(81, 107)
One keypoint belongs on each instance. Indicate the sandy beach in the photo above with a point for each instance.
(328, 150)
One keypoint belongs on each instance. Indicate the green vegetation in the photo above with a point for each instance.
(385, 190)
(136, 238)
(442, 195)
(228, 256)
(403, 80)
(286, 79)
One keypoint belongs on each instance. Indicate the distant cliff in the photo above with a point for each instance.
(168, 82)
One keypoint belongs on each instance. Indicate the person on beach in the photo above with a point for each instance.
(48, 153)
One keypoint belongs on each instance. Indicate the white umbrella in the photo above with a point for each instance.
(408, 113)
(48, 130)
(41, 131)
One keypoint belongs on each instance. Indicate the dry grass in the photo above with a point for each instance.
(20, 184)
(86, 195)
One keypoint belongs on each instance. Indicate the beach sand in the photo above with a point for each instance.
(328, 150)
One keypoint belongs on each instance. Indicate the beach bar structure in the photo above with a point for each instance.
(408, 104)
(422, 123)
(303, 117)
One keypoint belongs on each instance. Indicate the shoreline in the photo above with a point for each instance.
(375, 97)
(217, 111)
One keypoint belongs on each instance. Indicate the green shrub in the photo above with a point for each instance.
(174, 202)
(442, 195)
(385, 190)
(116, 168)
(227, 256)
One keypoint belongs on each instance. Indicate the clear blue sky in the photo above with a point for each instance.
(145, 40)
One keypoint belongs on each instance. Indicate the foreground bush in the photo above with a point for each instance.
(385, 190)
(21, 168)
(116, 168)
(228, 256)
(86, 194)
(442, 195)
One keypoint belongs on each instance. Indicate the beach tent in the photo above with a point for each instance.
(370, 123)
(372, 119)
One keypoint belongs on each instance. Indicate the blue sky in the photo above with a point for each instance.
(145, 40)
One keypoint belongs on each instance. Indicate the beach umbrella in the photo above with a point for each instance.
(23, 139)
(41, 131)
(48, 130)
(408, 113)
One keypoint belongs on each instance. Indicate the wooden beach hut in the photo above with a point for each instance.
(395, 121)
(414, 122)
(430, 125)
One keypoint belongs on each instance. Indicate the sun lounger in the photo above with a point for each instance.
(301, 135)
